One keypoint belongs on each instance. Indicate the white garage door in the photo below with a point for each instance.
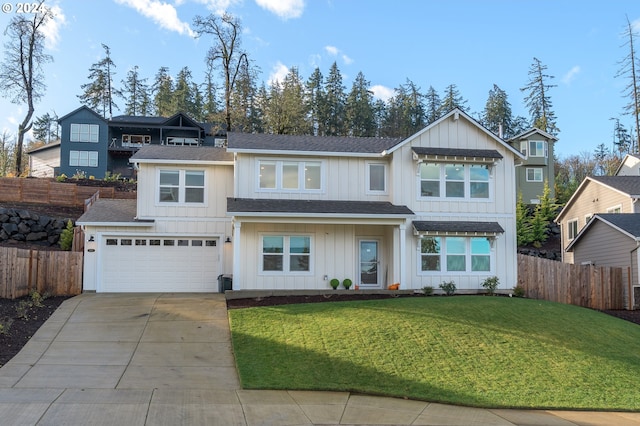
(159, 264)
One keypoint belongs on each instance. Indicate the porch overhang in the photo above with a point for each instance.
(457, 155)
(317, 211)
(456, 228)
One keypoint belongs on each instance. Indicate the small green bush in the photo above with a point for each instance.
(449, 287)
(518, 291)
(335, 283)
(490, 284)
(36, 298)
(347, 283)
(22, 310)
(61, 178)
(427, 290)
(5, 325)
(112, 177)
(66, 238)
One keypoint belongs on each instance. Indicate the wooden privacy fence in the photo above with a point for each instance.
(596, 287)
(45, 191)
(58, 273)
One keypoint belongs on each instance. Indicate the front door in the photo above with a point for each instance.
(369, 263)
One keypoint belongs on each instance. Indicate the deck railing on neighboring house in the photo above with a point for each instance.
(596, 287)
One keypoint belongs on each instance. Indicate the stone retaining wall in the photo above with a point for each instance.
(24, 226)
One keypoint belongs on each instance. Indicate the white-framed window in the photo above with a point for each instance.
(181, 186)
(615, 209)
(538, 149)
(523, 147)
(572, 229)
(455, 254)
(468, 181)
(289, 254)
(289, 176)
(84, 132)
(376, 178)
(135, 140)
(534, 174)
(83, 158)
(587, 218)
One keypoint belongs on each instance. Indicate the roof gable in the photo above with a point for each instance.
(457, 114)
(528, 133)
(178, 119)
(77, 110)
(629, 158)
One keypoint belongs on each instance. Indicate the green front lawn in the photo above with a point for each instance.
(467, 350)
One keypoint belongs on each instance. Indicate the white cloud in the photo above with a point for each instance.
(382, 92)
(285, 9)
(278, 73)
(571, 75)
(347, 60)
(332, 50)
(161, 13)
(51, 28)
(635, 25)
(217, 6)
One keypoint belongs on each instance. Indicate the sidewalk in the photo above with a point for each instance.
(166, 359)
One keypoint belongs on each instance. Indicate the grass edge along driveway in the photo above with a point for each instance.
(468, 350)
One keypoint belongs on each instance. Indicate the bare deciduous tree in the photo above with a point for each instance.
(21, 73)
(628, 70)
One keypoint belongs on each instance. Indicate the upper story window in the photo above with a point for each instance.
(534, 174)
(467, 181)
(376, 178)
(572, 229)
(83, 158)
(84, 132)
(181, 186)
(615, 209)
(287, 176)
(534, 148)
(135, 140)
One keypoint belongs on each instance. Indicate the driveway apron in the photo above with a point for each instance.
(167, 359)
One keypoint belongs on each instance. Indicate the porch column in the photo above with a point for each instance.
(402, 264)
(236, 255)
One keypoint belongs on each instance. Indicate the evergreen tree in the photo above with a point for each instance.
(162, 90)
(45, 128)
(523, 225)
(405, 113)
(433, 105)
(629, 68)
(99, 93)
(246, 113)
(135, 93)
(452, 99)
(294, 113)
(182, 99)
(210, 101)
(332, 114)
(315, 98)
(538, 100)
(273, 109)
(379, 114)
(360, 112)
(497, 113)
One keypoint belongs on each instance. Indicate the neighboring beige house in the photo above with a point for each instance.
(293, 212)
(537, 168)
(597, 194)
(612, 239)
(44, 161)
(630, 166)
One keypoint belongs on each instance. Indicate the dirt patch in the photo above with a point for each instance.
(19, 320)
(338, 296)
(631, 316)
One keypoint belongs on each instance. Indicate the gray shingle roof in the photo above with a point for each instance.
(457, 226)
(182, 153)
(628, 222)
(137, 119)
(373, 208)
(457, 152)
(627, 184)
(342, 144)
(110, 211)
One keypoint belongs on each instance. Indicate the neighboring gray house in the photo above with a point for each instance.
(44, 161)
(611, 239)
(537, 168)
(95, 145)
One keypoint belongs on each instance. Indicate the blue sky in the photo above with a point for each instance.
(471, 43)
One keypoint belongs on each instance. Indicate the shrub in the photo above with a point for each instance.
(449, 287)
(112, 177)
(518, 291)
(335, 283)
(22, 310)
(427, 290)
(347, 283)
(66, 237)
(5, 325)
(490, 284)
(61, 178)
(36, 298)
(80, 174)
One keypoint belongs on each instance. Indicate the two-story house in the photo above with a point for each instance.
(293, 212)
(93, 145)
(537, 147)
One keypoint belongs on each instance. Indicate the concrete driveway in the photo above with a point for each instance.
(166, 359)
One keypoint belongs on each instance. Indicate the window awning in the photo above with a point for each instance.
(456, 228)
(458, 155)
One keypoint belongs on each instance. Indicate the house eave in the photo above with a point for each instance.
(132, 224)
(309, 153)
